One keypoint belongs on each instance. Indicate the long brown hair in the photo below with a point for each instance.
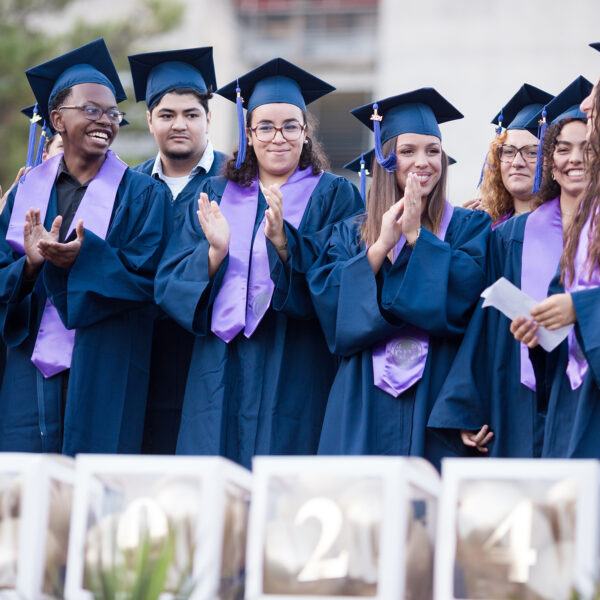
(385, 191)
(312, 155)
(495, 198)
(549, 188)
(587, 207)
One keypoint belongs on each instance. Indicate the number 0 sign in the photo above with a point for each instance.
(343, 527)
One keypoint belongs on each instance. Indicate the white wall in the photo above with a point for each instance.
(477, 53)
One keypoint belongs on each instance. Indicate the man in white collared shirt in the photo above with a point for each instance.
(176, 86)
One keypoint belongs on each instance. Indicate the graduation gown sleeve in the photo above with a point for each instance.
(183, 288)
(333, 200)
(345, 293)
(435, 285)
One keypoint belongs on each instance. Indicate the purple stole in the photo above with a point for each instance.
(577, 365)
(503, 219)
(399, 362)
(245, 295)
(54, 343)
(542, 248)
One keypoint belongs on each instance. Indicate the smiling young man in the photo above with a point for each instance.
(81, 238)
(176, 86)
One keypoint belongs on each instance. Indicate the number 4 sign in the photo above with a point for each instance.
(521, 529)
(343, 527)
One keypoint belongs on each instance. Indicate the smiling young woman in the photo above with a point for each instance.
(394, 288)
(234, 275)
(490, 392)
(569, 377)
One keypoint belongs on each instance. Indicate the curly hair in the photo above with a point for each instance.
(384, 192)
(549, 188)
(495, 198)
(588, 207)
(312, 155)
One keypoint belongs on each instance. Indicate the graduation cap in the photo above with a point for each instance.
(274, 81)
(157, 73)
(595, 46)
(523, 108)
(90, 63)
(562, 106)
(419, 111)
(566, 104)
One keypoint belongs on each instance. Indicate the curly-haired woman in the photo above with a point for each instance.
(509, 170)
(235, 276)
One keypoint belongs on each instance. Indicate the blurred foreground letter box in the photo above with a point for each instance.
(342, 527)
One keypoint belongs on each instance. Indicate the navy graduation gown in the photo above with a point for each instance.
(266, 394)
(107, 296)
(573, 416)
(171, 344)
(483, 386)
(435, 286)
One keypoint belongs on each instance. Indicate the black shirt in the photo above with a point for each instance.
(69, 193)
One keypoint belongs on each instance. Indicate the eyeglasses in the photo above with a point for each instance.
(290, 131)
(507, 153)
(94, 113)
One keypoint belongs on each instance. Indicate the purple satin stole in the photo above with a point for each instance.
(577, 365)
(54, 343)
(399, 362)
(247, 288)
(503, 219)
(542, 248)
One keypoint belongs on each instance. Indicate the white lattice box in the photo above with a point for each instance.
(175, 525)
(517, 528)
(343, 527)
(36, 493)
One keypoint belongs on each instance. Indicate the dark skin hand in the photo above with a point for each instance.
(62, 255)
(33, 233)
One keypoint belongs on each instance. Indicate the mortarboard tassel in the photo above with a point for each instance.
(389, 163)
(41, 144)
(241, 128)
(32, 131)
(486, 162)
(363, 179)
(537, 180)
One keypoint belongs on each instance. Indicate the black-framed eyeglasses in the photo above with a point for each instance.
(93, 113)
(507, 153)
(291, 131)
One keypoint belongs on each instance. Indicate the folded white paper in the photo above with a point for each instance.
(513, 303)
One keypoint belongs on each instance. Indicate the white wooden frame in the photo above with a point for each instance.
(37, 470)
(585, 472)
(396, 474)
(214, 473)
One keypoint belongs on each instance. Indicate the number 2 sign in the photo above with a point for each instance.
(519, 529)
(343, 527)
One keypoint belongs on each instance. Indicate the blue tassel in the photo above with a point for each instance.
(389, 163)
(363, 179)
(32, 131)
(41, 144)
(241, 128)
(500, 120)
(539, 165)
(485, 162)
